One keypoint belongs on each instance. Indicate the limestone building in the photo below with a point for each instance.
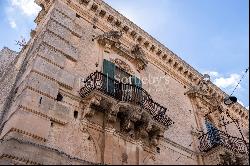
(91, 87)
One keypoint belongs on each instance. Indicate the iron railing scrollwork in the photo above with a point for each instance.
(216, 138)
(127, 93)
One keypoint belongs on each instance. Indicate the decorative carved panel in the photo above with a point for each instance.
(136, 55)
(139, 57)
(121, 64)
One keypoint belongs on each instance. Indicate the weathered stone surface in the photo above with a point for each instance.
(61, 112)
(42, 85)
(53, 72)
(66, 78)
(28, 124)
(67, 22)
(36, 101)
(61, 45)
(24, 150)
(8, 73)
(52, 54)
(7, 57)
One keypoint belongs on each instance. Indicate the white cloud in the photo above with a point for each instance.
(28, 7)
(12, 24)
(212, 73)
(223, 81)
(227, 82)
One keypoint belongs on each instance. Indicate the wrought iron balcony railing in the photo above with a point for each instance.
(216, 138)
(127, 93)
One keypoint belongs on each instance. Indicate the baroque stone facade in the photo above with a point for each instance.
(58, 105)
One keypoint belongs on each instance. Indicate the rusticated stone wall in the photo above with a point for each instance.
(8, 71)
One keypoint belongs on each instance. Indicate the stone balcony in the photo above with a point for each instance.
(140, 117)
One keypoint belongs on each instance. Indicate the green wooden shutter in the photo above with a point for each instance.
(109, 68)
(109, 71)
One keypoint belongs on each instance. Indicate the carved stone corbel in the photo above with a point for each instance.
(111, 114)
(154, 133)
(154, 138)
(134, 115)
(88, 111)
(128, 124)
(109, 39)
(139, 56)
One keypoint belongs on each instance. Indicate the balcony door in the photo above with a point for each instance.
(109, 80)
(114, 75)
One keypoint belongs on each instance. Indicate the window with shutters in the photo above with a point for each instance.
(115, 73)
(109, 71)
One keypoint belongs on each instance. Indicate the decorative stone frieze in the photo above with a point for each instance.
(139, 57)
(109, 39)
(136, 55)
(88, 111)
(123, 65)
(134, 122)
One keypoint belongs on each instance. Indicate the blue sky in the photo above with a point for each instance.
(210, 35)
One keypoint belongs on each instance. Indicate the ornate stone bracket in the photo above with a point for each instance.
(136, 55)
(112, 113)
(110, 39)
(135, 123)
(139, 56)
(202, 89)
(88, 110)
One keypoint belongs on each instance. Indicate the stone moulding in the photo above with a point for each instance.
(121, 64)
(135, 55)
(193, 153)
